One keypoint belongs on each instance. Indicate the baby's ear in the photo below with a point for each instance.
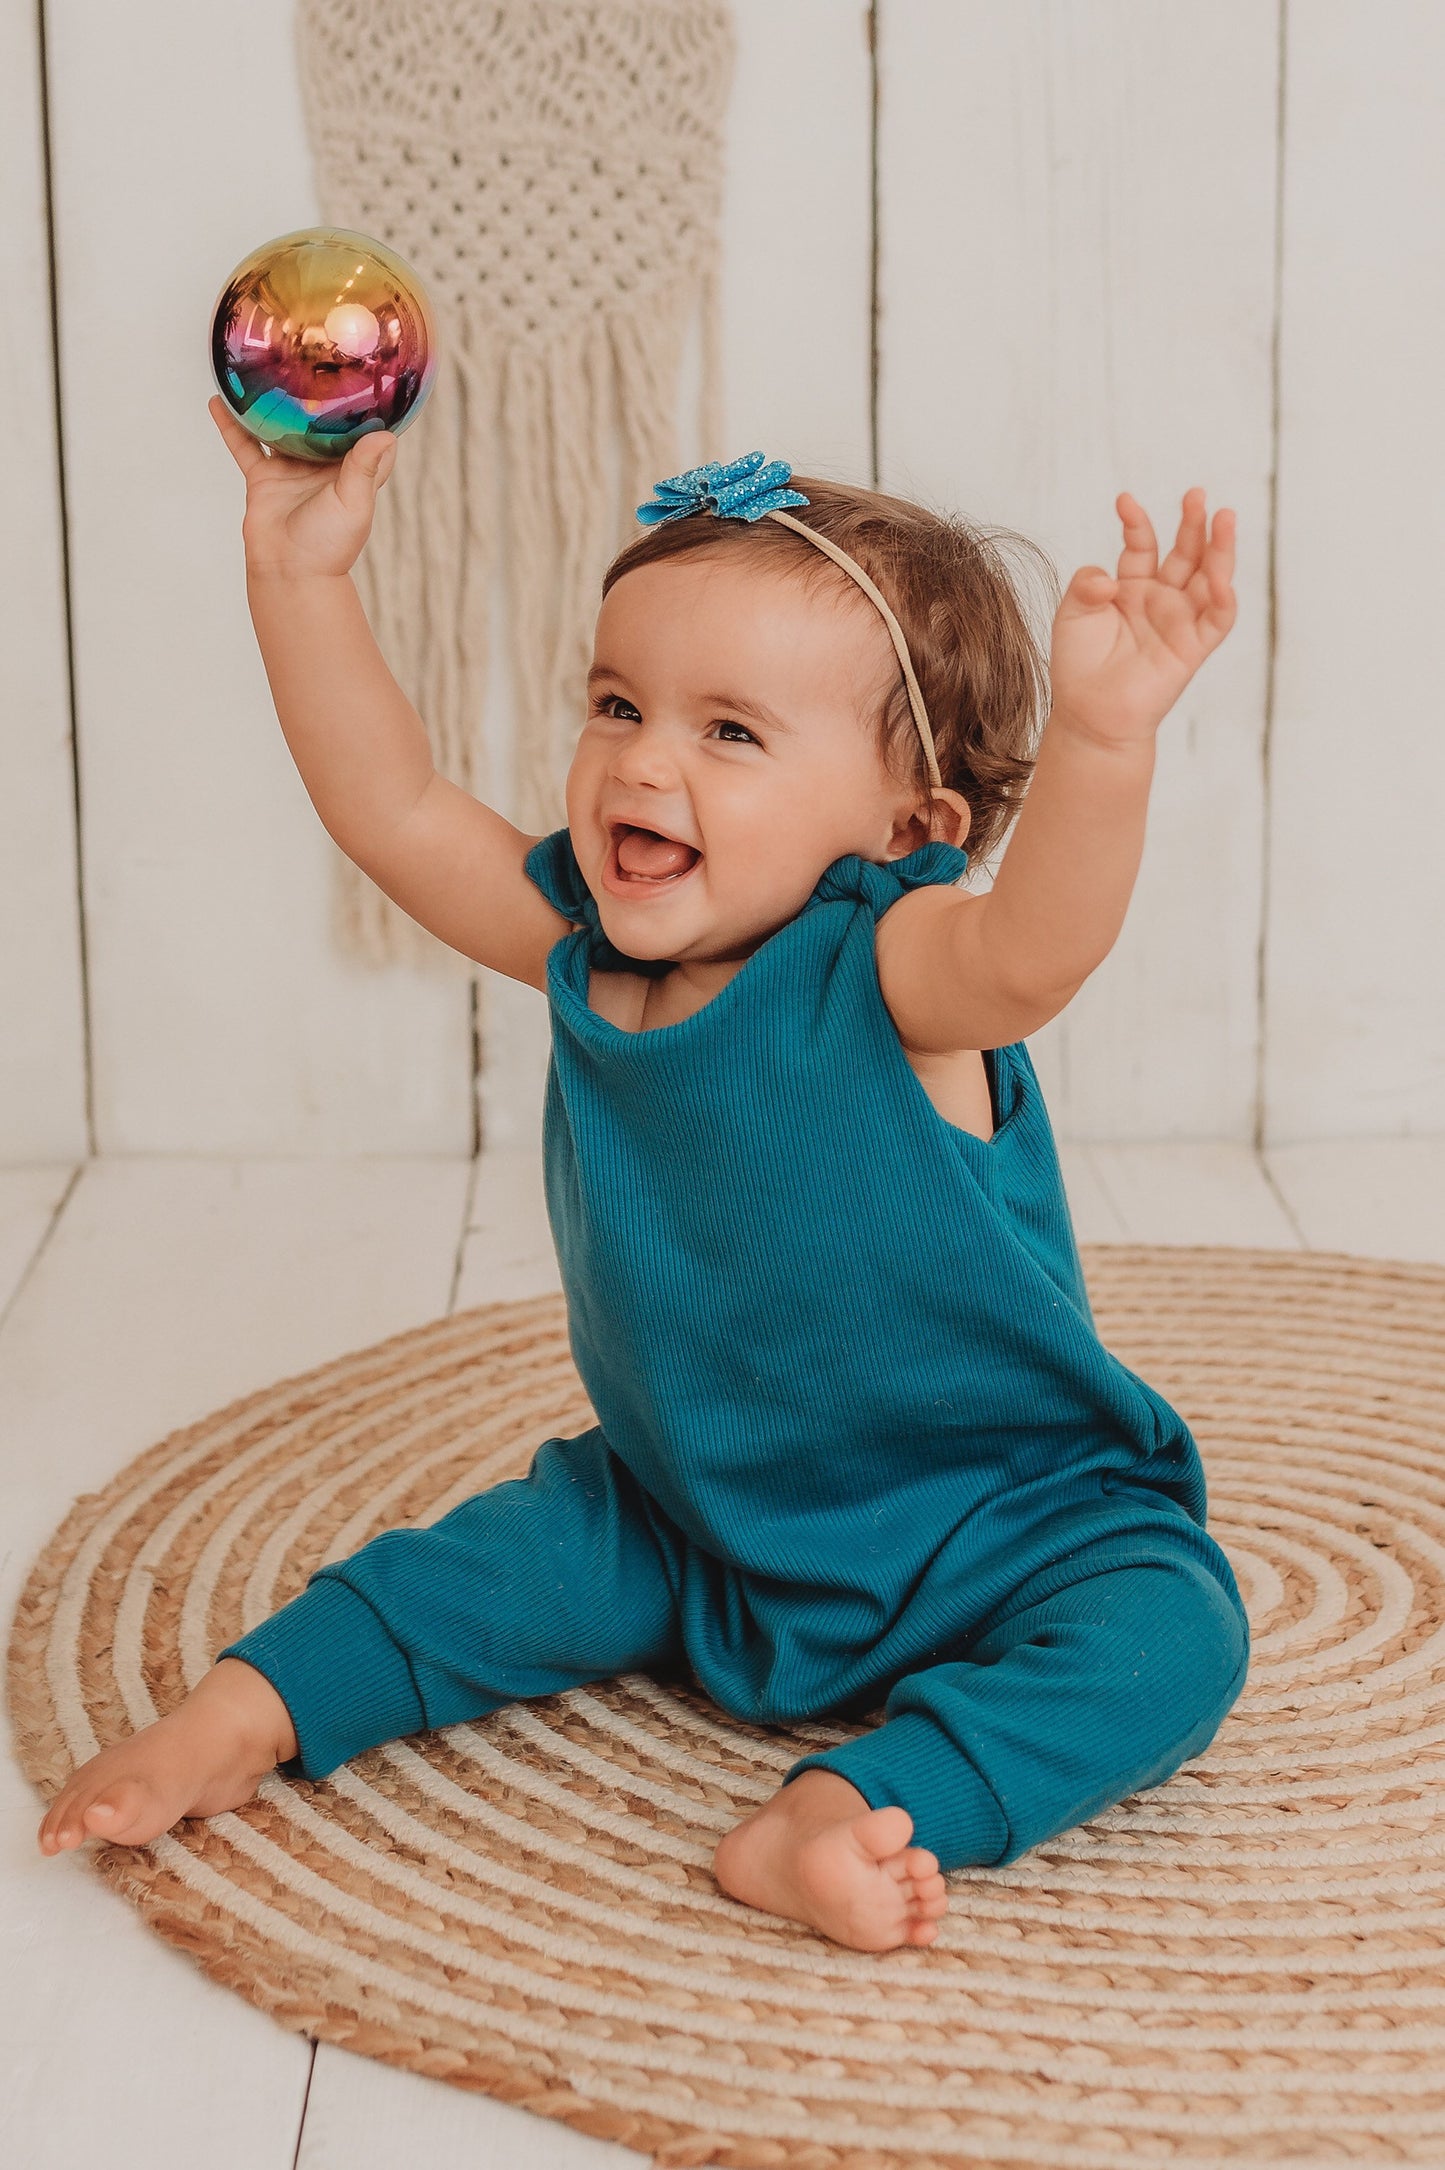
(951, 816)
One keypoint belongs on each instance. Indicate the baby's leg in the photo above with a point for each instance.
(535, 1585)
(1089, 1689)
(210, 1753)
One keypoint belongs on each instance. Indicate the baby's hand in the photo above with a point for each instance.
(302, 518)
(1125, 647)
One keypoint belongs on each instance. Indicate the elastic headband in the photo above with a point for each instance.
(752, 488)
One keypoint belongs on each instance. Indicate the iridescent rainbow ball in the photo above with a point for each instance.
(321, 337)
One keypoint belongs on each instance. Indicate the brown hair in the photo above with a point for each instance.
(982, 671)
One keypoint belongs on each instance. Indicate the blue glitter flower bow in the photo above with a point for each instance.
(742, 489)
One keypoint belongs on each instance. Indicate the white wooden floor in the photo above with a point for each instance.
(135, 1295)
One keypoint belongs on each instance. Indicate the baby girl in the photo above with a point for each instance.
(861, 1454)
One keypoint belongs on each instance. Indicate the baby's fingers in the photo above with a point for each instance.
(1140, 555)
(363, 471)
(1183, 560)
(244, 448)
(1219, 557)
(1211, 590)
(1090, 589)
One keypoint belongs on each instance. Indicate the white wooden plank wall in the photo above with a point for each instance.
(1355, 1017)
(224, 1019)
(42, 1030)
(1077, 279)
(1077, 267)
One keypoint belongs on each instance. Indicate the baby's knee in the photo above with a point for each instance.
(1195, 1628)
(1184, 1658)
(1160, 1652)
(1155, 1652)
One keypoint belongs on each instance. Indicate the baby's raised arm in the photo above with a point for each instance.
(362, 750)
(982, 971)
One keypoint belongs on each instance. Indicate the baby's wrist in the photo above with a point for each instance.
(1121, 737)
(289, 576)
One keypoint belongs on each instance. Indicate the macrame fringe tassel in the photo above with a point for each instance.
(553, 171)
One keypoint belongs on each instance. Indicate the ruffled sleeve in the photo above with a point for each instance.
(551, 865)
(934, 864)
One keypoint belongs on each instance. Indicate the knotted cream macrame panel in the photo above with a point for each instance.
(553, 171)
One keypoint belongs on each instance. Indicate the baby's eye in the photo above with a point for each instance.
(606, 702)
(725, 723)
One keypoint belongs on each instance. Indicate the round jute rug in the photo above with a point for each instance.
(1245, 1965)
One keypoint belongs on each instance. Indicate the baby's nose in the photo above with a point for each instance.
(646, 758)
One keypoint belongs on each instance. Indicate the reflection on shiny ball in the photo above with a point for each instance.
(321, 337)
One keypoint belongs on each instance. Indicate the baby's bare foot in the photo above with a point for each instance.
(209, 1754)
(817, 1853)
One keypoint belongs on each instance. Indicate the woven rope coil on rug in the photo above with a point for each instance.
(1244, 1965)
(553, 170)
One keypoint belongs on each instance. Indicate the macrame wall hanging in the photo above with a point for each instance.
(553, 171)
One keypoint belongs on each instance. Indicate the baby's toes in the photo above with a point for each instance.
(123, 1809)
(49, 1832)
(920, 1862)
(930, 1899)
(884, 1833)
(63, 1824)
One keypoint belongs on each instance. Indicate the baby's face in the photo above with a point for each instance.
(730, 709)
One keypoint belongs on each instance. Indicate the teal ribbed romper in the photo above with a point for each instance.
(858, 1441)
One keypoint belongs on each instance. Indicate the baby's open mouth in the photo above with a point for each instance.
(643, 856)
